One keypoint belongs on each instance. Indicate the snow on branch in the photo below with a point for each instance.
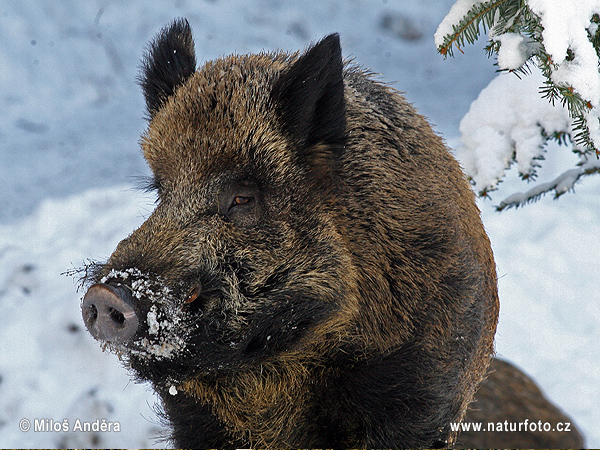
(561, 184)
(509, 122)
(514, 117)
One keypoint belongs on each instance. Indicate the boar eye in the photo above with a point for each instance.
(241, 200)
(239, 204)
(193, 294)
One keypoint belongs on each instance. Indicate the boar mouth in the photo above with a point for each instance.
(172, 338)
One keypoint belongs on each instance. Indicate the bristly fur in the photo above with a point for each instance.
(86, 274)
(322, 252)
(310, 96)
(147, 183)
(507, 395)
(169, 62)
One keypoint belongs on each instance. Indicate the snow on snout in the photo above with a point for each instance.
(166, 332)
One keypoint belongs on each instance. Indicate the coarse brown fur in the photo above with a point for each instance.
(347, 289)
(519, 414)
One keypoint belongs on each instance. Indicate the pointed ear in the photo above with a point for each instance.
(310, 95)
(168, 63)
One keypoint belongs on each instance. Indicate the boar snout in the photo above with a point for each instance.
(108, 313)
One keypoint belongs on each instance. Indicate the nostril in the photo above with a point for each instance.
(91, 313)
(108, 314)
(117, 316)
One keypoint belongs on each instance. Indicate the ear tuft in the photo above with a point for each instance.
(168, 63)
(310, 95)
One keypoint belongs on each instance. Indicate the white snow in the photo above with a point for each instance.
(547, 259)
(50, 367)
(513, 52)
(71, 117)
(153, 326)
(565, 23)
(561, 184)
(167, 330)
(453, 18)
(507, 117)
(565, 26)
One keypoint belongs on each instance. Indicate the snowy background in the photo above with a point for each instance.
(71, 117)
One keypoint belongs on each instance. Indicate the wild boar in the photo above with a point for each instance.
(315, 273)
(512, 412)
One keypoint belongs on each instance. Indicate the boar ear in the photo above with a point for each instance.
(168, 63)
(310, 95)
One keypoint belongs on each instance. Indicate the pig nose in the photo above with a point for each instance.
(108, 313)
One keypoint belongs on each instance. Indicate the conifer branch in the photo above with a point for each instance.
(565, 182)
(500, 17)
(468, 28)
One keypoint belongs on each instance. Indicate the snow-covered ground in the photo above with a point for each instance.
(71, 117)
